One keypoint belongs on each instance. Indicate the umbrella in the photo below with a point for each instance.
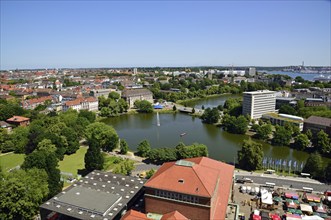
(293, 216)
(277, 199)
(289, 200)
(312, 204)
(256, 217)
(296, 202)
(323, 215)
(275, 217)
(291, 210)
(297, 211)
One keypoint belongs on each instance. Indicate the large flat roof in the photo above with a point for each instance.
(89, 199)
(98, 195)
(260, 92)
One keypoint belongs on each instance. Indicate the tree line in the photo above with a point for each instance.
(161, 155)
(250, 158)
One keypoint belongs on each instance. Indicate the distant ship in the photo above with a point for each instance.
(323, 78)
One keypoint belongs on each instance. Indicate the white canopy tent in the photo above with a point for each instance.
(266, 197)
(306, 208)
(313, 217)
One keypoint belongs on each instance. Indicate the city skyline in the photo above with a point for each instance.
(84, 34)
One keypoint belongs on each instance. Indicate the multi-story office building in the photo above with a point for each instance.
(257, 103)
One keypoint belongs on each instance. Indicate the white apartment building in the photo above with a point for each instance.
(257, 103)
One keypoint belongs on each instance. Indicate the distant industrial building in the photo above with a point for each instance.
(198, 188)
(99, 196)
(257, 103)
(282, 119)
(316, 124)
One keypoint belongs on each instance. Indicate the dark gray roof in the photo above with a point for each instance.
(318, 120)
(4, 124)
(89, 199)
(98, 195)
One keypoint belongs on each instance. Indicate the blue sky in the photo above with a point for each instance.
(55, 34)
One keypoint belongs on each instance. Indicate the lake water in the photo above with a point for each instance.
(221, 144)
(306, 76)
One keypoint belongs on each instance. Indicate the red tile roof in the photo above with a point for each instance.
(205, 177)
(134, 215)
(18, 119)
(175, 215)
(36, 100)
(73, 102)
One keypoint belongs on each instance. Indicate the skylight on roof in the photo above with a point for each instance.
(185, 163)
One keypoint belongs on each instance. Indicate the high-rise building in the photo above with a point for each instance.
(252, 71)
(257, 103)
(135, 71)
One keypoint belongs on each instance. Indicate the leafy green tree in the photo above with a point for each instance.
(160, 155)
(210, 116)
(20, 138)
(124, 147)
(322, 142)
(143, 106)
(144, 148)
(263, 131)
(287, 109)
(105, 112)
(21, 193)
(104, 135)
(327, 172)
(90, 116)
(194, 150)
(47, 161)
(233, 106)
(7, 146)
(114, 95)
(9, 109)
(46, 145)
(301, 142)
(150, 173)
(309, 134)
(250, 156)
(314, 165)
(93, 159)
(282, 136)
(72, 139)
(235, 125)
(125, 167)
(123, 105)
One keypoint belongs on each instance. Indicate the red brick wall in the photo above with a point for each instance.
(160, 206)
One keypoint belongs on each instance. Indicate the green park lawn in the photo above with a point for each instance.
(10, 160)
(74, 162)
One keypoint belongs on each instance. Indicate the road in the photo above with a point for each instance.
(282, 181)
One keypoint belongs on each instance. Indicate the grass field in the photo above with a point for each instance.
(73, 163)
(11, 160)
